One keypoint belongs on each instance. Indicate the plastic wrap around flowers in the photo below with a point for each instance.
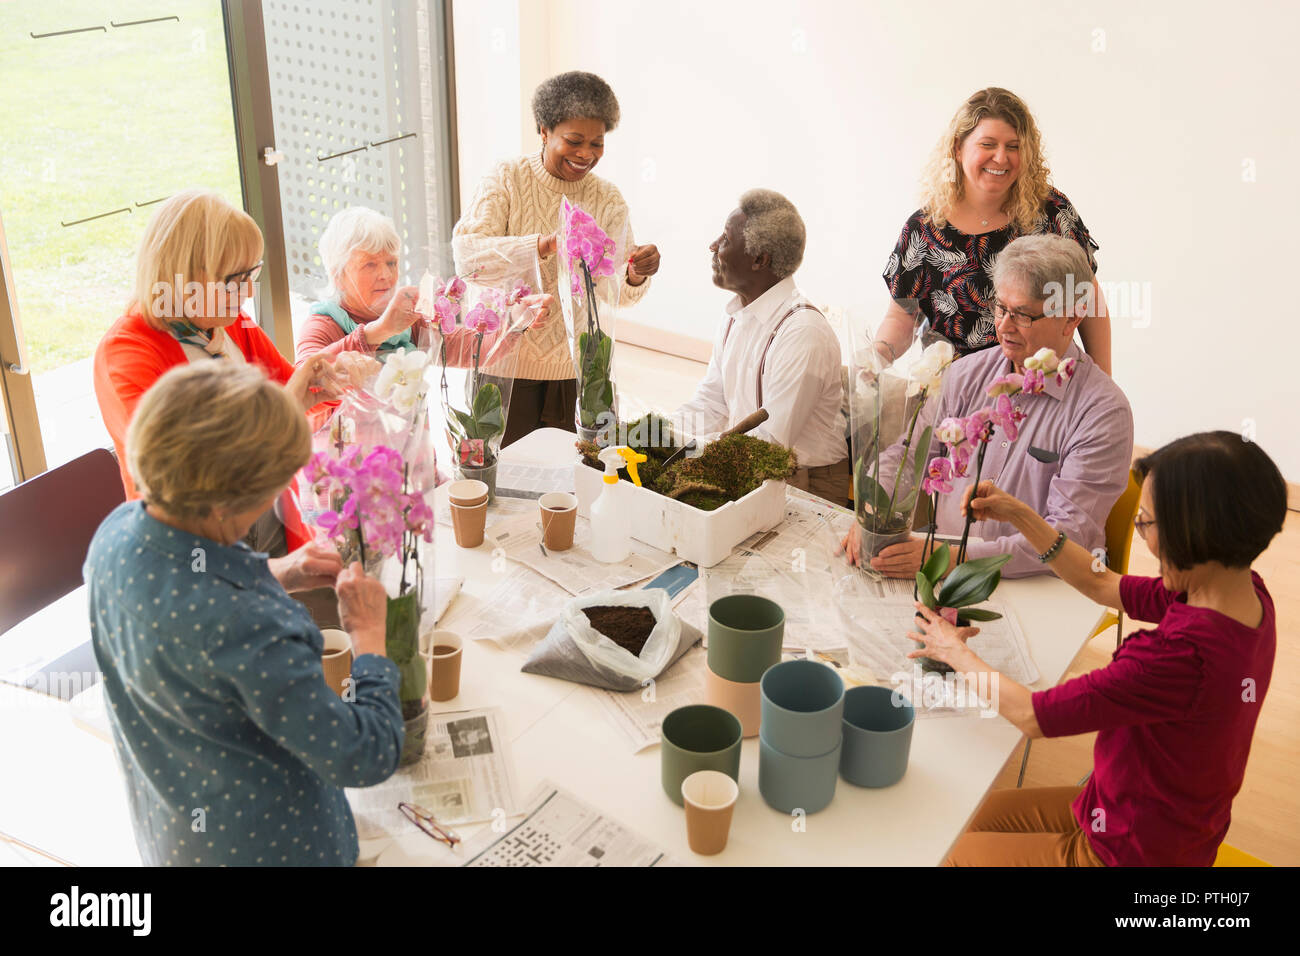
(888, 512)
(372, 507)
(474, 431)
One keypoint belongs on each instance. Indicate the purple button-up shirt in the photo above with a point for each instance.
(1070, 460)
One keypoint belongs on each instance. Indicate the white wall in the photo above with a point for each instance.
(1153, 116)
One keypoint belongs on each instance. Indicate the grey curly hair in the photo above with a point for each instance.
(773, 226)
(574, 95)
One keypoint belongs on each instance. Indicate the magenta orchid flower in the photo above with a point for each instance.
(960, 457)
(1006, 416)
(1034, 381)
(482, 318)
(453, 288)
(1065, 371)
(938, 477)
(978, 426)
(445, 310)
(520, 292)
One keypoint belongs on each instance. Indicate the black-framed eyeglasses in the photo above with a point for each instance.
(423, 819)
(1022, 319)
(248, 275)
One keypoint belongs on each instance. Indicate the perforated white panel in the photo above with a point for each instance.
(345, 75)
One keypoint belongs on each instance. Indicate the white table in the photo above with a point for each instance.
(63, 791)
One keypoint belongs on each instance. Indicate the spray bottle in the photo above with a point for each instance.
(611, 525)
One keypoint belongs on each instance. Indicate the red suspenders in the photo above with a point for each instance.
(762, 364)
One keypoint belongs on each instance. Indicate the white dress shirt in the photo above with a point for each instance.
(802, 389)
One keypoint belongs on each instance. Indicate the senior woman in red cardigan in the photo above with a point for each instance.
(199, 257)
(1176, 707)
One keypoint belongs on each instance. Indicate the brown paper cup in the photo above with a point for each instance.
(443, 650)
(467, 492)
(709, 797)
(468, 522)
(337, 659)
(743, 700)
(559, 514)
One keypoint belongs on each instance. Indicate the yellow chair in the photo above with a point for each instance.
(1119, 541)
(1231, 856)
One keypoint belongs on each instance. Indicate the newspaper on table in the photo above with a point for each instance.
(877, 628)
(638, 713)
(529, 481)
(465, 776)
(575, 569)
(559, 829)
(514, 615)
(791, 564)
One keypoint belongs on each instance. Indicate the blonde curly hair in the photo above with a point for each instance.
(943, 184)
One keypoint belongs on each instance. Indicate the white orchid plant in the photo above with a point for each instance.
(881, 511)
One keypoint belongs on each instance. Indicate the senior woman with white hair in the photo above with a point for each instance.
(364, 311)
(233, 747)
(776, 350)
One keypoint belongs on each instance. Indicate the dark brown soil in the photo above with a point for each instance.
(628, 627)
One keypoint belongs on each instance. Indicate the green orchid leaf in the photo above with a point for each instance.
(980, 614)
(984, 564)
(924, 590)
(936, 564)
(871, 493)
(964, 589)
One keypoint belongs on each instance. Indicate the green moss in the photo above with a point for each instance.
(726, 470)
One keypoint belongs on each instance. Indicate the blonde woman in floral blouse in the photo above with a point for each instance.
(986, 184)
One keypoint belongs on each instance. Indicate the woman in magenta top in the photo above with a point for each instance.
(1177, 705)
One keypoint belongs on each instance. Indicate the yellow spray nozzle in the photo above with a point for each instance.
(633, 459)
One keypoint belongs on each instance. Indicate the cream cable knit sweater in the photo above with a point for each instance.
(497, 238)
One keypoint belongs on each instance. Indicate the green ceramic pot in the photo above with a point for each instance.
(698, 737)
(745, 633)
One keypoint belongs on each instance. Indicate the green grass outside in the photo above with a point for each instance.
(93, 122)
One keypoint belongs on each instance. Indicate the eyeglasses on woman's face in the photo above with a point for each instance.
(1141, 524)
(248, 275)
(1023, 320)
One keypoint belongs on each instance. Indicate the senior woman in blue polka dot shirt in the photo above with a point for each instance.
(234, 749)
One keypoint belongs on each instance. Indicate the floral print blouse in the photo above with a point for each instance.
(949, 273)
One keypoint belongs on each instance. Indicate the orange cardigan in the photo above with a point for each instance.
(133, 355)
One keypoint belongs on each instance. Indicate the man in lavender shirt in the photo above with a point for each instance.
(1071, 458)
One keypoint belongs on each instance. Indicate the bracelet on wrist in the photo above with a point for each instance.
(1054, 550)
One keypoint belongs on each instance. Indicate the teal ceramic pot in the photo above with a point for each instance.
(877, 736)
(796, 783)
(745, 633)
(802, 708)
(698, 737)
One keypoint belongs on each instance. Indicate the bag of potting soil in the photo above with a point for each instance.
(617, 640)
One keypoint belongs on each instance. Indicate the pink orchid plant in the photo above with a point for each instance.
(373, 509)
(588, 255)
(376, 515)
(474, 432)
(967, 438)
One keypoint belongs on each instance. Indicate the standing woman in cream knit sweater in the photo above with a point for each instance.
(514, 216)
